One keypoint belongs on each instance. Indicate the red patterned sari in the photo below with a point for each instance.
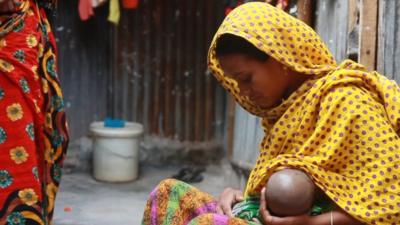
(33, 129)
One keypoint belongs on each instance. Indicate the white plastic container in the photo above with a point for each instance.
(116, 152)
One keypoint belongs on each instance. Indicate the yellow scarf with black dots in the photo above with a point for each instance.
(341, 126)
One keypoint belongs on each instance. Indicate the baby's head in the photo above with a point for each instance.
(289, 192)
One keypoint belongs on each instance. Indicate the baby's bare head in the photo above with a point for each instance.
(289, 192)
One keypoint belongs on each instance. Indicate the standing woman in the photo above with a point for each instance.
(33, 128)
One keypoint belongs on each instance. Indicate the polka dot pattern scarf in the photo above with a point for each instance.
(341, 126)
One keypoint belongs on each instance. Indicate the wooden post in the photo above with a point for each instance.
(305, 11)
(368, 33)
(352, 15)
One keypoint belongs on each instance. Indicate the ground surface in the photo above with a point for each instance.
(85, 201)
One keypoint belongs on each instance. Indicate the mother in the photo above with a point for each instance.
(337, 122)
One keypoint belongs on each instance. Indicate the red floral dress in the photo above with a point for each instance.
(33, 130)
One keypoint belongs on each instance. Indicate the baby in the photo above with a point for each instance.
(288, 192)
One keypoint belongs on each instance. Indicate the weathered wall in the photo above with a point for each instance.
(247, 137)
(84, 65)
(160, 78)
(331, 22)
(389, 39)
(150, 69)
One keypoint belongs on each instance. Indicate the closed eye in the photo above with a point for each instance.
(244, 78)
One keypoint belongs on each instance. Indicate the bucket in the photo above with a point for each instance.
(116, 152)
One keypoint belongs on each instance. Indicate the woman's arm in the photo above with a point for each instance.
(336, 217)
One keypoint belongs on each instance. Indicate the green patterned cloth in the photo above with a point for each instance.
(249, 208)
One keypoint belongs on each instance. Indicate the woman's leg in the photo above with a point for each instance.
(34, 137)
(216, 219)
(174, 202)
(20, 188)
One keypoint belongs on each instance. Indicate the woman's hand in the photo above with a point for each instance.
(268, 219)
(227, 199)
(338, 216)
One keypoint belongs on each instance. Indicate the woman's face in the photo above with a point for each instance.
(265, 83)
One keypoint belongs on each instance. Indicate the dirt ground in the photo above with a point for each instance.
(84, 201)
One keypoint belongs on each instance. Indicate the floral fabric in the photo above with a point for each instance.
(174, 202)
(33, 131)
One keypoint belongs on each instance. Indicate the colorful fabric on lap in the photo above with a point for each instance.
(174, 202)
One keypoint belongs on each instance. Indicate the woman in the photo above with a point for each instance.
(337, 123)
(33, 131)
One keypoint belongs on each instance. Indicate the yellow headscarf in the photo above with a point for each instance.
(341, 126)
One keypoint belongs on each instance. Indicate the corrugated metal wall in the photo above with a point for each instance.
(331, 24)
(247, 137)
(84, 65)
(151, 68)
(161, 77)
(389, 39)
